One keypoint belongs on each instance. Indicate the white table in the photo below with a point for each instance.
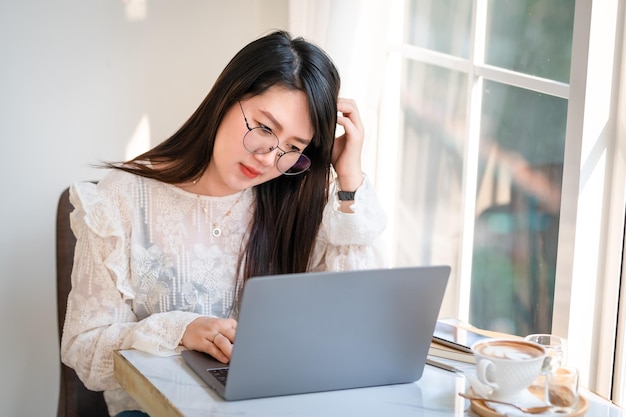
(165, 386)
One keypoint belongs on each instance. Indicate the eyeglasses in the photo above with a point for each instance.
(260, 140)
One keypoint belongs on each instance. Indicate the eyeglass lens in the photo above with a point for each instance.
(260, 141)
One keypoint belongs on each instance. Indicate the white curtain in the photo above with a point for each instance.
(355, 33)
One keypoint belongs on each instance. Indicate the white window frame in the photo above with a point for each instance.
(618, 211)
(592, 210)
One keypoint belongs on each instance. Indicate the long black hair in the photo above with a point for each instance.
(288, 210)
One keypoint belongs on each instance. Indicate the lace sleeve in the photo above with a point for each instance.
(99, 317)
(351, 241)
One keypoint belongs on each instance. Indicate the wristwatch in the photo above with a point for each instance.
(346, 195)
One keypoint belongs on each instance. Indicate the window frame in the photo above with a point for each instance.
(616, 257)
(593, 199)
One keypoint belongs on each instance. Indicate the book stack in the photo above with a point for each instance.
(453, 340)
(439, 350)
(450, 347)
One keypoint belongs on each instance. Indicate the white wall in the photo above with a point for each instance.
(77, 78)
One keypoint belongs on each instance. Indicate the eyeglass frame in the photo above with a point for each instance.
(280, 155)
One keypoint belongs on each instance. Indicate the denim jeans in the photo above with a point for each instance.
(132, 413)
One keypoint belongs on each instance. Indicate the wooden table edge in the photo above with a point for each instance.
(141, 389)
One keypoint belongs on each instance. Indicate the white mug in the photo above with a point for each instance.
(507, 366)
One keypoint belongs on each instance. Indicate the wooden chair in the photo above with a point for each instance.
(74, 399)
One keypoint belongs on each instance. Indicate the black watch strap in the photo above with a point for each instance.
(346, 195)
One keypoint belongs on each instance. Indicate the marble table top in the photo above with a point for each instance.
(166, 386)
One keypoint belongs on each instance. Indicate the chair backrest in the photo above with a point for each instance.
(74, 399)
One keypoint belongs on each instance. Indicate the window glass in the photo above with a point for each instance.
(439, 25)
(531, 36)
(517, 209)
(431, 165)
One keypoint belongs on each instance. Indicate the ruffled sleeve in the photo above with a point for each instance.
(99, 316)
(351, 241)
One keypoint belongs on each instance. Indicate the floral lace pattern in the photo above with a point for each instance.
(147, 264)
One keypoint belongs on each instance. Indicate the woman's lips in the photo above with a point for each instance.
(249, 172)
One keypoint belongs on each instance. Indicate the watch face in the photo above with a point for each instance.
(345, 195)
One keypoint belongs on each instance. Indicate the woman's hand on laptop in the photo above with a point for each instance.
(211, 335)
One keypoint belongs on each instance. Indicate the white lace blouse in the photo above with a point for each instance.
(151, 257)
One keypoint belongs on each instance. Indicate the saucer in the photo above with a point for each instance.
(481, 408)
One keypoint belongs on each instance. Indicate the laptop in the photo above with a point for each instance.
(312, 332)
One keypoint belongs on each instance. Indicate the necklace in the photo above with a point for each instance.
(216, 230)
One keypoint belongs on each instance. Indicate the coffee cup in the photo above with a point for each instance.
(507, 366)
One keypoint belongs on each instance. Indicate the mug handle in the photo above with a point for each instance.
(481, 372)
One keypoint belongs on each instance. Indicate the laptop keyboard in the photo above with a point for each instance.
(221, 374)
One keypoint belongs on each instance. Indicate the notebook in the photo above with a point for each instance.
(302, 333)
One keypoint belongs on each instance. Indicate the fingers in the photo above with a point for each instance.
(223, 348)
(346, 158)
(228, 332)
(223, 340)
(211, 335)
(349, 117)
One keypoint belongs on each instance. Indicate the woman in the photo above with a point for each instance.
(166, 241)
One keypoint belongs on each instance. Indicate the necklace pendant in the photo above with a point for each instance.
(216, 231)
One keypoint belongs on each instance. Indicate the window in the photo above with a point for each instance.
(510, 133)
(505, 166)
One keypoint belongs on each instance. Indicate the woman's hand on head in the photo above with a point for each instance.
(347, 149)
(211, 335)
